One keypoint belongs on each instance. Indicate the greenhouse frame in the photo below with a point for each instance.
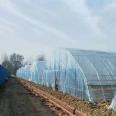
(89, 75)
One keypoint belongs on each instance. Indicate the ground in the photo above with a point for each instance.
(15, 100)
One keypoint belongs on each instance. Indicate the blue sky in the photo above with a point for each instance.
(33, 27)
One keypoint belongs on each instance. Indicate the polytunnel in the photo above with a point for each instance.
(33, 72)
(37, 71)
(89, 75)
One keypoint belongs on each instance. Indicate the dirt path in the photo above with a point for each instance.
(15, 100)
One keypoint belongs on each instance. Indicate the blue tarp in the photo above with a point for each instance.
(4, 74)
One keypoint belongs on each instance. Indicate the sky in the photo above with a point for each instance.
(32, 27)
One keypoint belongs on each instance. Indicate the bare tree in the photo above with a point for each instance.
(6, 63)
(13, 63)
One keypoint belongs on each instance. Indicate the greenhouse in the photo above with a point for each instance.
(33, 72)
(89, 75)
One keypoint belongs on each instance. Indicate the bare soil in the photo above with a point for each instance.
(15, 100)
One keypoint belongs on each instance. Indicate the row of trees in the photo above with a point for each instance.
(15, 61)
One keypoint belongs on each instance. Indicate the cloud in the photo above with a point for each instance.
(108, 20)
(58, 23)
(36, 23)
(80, 7)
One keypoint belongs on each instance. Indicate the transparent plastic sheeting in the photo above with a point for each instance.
(89, 75)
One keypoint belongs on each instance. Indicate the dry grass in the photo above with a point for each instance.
(91, 109)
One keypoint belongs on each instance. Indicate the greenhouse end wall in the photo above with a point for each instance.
(79, 73)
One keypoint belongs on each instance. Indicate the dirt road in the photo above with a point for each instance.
(15, 100)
